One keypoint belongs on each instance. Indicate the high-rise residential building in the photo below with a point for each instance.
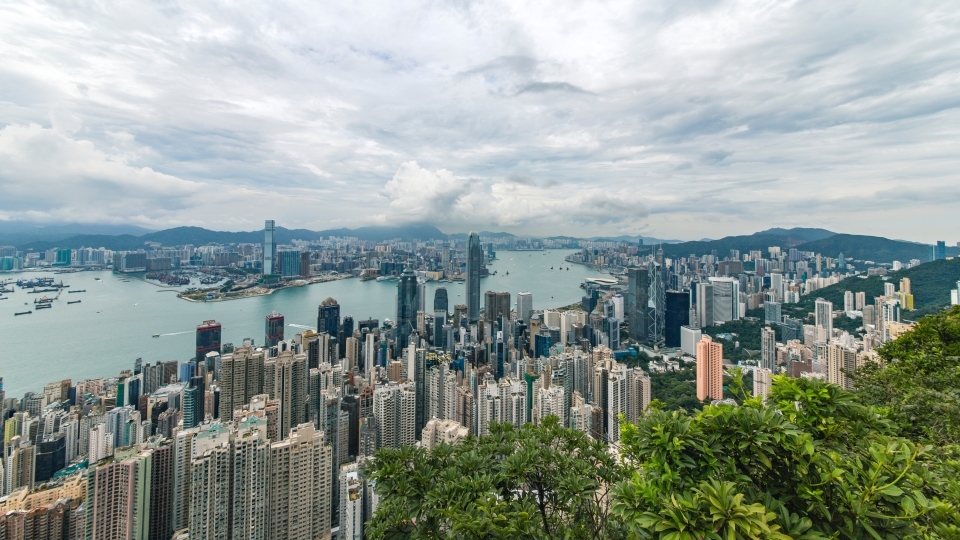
(300, 486)
(394, 410)
(208, 339)
(709, 369)
(676, 315)
(474, 263)
(210, 483)
(860, 301)
(848, 301)
(768, 348)
(841, 363)
(772, 312)
(762, 381)
(496, 305)
(269, 248)
(823, 320)
(726, 299)
(328, 318)
(689, 337)
(161, 484)
(20, 465)
(704, 304)
(440, 300)
(616, 400)
(524, 306)
(407, 307)
(290, 389)
(273, 330)
(639, 393)
(240, 379)
(118, 499)
(638, 297)
(250, 455)
(351, 502)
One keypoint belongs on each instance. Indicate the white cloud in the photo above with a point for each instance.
(674, 116)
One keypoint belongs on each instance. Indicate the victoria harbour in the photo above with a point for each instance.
(116, 320)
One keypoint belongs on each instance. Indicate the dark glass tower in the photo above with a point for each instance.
(474, 262)
(677, 314)
(407, 304)
(440, 301)
(638, 297)
(269, 248)
(208, 339)
(328, 318)
(274, 329)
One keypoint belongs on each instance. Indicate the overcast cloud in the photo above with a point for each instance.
(676, 119)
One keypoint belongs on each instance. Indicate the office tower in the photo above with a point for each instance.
(689, 337)
(841, 363)
(496, 305)
(407, 305)
(792, 329)
(772, 312)
(118, 499)
(762, 381)
(726, 299)
(394, 411)
(657, 302)
(210, 483)
(193, 401)
(676, 315)
(823, 320)
(300, 486)
(768, 348)
(20, 465)
(51, 456)
(288, 264)
(208, 339)
(704, 304)
(274, 329)
(328, 318)
(524, 306)
(709, 369)
(351, 503)
(269, 248)
(940, 251)
(638, 293)
(474, 263)
(848, 301)
(440, 301)
(290, 389)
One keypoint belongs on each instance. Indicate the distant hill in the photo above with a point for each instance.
(17, 233)
(199, 236)
(483, 234)
(930, 284)
(868, 248)
(801, 233)
(724, 245)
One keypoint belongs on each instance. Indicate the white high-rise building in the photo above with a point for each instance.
(550, 402)
(210, 475)
(726, 299)
(762, 378)
(768, 349)
(638, 393)
(617, 300)
(394, 412)
(689, 337)
(823, 320)
(524, 306)
(841, 361)
(351, 503)
(849, 304)
(616, 400)
(581, 414)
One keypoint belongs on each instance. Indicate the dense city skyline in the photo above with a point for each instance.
(672, 121)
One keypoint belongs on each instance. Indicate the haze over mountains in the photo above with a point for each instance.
(127, 237)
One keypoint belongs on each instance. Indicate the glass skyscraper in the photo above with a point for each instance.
(474, 262)
(269, 248)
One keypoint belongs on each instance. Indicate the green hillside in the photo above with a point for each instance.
(868, 248)
(930, 283)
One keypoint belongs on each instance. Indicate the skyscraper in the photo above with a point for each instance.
(638, 293)
(269, 248)
(290, 389)
(768, 348)
(328, 318)
(407, 306)
(496, 305)
(824, 320)
(940, 251)
(524, 306)
(676, 314)
(208, 339)
(300, 486)
(657, 302)
(274, 329)
(474, 262)
(704, 304)
(394, 410)
(440, 301)
(726, 299)
(709, 369)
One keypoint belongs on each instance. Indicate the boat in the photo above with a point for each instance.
(43, 306)
(507, 273)
(156, 335)
(78, 290)
(74, 302)
(97, 279)
(551, 268)
(23, 313)
(3, 297)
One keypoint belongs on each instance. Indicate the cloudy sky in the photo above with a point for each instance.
(675, 119)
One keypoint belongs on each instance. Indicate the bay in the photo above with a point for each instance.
(115, 321)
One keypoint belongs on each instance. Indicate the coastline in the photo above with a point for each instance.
(255, 291)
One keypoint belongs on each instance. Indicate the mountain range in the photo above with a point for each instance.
(123, 237)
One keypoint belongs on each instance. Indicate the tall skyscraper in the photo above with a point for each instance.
(709, 369)
(274, 329)
(290, 389)
(768, 348)
(300, 485)
(407, 307)
(328, 318)
(704, 304)
(638, 298)
(440, 301)
(208, 339)
(824, 320)
(394, 410)
(240, 379)
(474, 263)
(524, 306)
(772, 312)
(269, 248)
(657, 302)
(762, 382)
(676, 315)
(118, 499)
(940, 250)
(726, 299)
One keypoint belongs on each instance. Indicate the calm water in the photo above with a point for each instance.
(115, 322)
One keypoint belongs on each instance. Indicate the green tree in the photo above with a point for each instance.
(542, 481)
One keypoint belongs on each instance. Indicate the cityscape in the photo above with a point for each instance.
(479, 270)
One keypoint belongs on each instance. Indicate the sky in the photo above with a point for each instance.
(673, 119)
